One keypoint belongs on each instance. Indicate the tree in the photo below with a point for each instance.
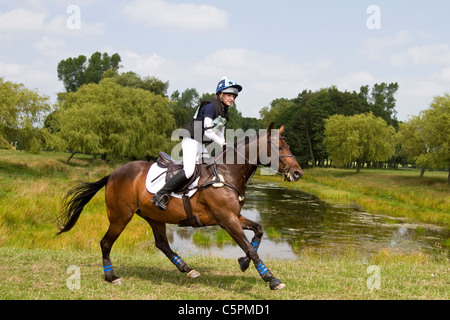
(273, 113)
(131, 80)
(74, 72)
(435, 131)
(107, 118)
(304, 116)
(359, 138)
(183, 106)
(412, 145)
(425, 139)
(383, 102)
(21, 114)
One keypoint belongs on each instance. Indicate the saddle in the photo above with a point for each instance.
(173, 166)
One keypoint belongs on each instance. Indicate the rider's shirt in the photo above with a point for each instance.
(211, 117)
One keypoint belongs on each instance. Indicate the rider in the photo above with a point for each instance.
(211, 116)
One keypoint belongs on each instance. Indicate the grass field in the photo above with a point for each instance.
(34, 262)
(43, 274)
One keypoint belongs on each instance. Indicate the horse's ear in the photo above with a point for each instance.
(270, 127)
(281, 129)
(269, 130)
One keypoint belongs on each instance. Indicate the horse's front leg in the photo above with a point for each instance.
(234, 228)
(248, 224)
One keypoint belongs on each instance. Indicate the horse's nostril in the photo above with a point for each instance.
(297, 174)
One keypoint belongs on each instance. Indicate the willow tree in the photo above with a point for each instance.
(107, 118)
(436, 133)
(21, 115)
(358, 138)
(411, 142)
(425, 138)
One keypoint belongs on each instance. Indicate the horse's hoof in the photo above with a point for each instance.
(118, 282)
(276, 284)
(280, 286)
(193, 274)
(243, 263)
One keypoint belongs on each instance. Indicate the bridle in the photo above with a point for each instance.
(221, 182)
(281, 158)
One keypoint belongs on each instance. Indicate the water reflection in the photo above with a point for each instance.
(294, 221)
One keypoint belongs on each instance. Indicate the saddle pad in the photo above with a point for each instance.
(155, 186)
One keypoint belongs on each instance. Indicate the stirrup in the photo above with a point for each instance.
(161, 201)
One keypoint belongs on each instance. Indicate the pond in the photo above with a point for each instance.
(294, 221)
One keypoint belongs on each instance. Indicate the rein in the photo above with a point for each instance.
(221, 181)
(281, 157)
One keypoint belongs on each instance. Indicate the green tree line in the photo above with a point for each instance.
(107, 113)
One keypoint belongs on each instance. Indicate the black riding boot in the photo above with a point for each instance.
(178, 180)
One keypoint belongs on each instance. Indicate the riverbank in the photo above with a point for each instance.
(399, 193)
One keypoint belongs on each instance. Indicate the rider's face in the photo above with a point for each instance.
(227, 98)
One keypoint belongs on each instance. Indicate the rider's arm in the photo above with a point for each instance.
(208, 115)
(209, 133)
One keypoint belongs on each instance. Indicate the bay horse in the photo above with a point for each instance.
(126, 195)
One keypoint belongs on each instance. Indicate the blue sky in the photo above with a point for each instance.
(274, 49)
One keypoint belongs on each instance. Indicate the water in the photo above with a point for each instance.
(294, 221)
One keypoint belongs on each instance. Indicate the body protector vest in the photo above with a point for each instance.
(195, 126)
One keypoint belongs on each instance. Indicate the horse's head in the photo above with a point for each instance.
(287, 163)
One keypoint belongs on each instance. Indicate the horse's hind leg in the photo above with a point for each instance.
(106, 244)
(234, 228)
(247, 224)
(159, 232)
(116, 227)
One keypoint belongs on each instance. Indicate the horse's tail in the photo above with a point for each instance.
(75, 200)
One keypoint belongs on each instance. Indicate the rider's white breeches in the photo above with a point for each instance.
(192, 152)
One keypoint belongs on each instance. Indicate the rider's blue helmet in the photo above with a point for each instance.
(226, 85)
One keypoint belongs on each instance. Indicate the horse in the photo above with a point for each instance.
(126, 195)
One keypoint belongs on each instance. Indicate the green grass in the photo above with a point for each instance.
(398, 193)
(42, 274)
(34, 261)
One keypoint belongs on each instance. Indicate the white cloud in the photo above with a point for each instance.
(50, 47)
(443, 75)
(376, 48)
(423, 89)
(27, 22)
(151, 65)
(437, 54)
(415, 95)
(257, 65)
(20, 21)
(30, 76)
(354, 80)
(157, 13)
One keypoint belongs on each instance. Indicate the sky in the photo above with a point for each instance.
(274, 49)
